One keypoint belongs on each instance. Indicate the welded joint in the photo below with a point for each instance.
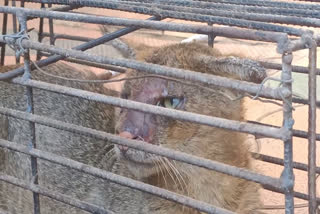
(287, 180)
(286, 133)
(302, 43)
(14, 41)
(310, 40)
(282, 44)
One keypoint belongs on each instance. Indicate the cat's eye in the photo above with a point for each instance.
(170, 102)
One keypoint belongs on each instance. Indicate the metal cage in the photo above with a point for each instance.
(269, 21)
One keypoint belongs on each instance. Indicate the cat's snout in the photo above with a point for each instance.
(127, 135)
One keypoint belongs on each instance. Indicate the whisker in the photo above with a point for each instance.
(168, 170)
(105, 155)
(164, 178)
(179, 176)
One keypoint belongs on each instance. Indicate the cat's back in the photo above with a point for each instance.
(81, 148)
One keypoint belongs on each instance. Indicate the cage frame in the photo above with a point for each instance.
(304, 39)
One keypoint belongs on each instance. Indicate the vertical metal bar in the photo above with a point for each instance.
(27, 76)
(287, 175)
(22, 3)
(4, 31)
(211, 37)
(14, 18)
(312, 128)
(40, 32)
(14, 27)
(51, 28)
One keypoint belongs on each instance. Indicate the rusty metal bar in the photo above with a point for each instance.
(269, 182)
(279, 161)
(287, 176)
(27, 76)
(297, 69)
(54, 195)
(92, 64)
(82, 47)
(269, 65)
(219, 12)
(201, 206)
(176, 114)
(161, 70)
(249, 9)
(151, 10)
(312, 190)
(218, 31)
(267, 4)
(295, 132)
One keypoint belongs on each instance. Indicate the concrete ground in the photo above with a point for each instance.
(255, 109)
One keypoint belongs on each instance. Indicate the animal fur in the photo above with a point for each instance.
(208, 142)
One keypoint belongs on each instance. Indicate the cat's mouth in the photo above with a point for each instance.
(136, 157)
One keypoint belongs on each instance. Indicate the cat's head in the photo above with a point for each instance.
(165, 132)
(192, 138)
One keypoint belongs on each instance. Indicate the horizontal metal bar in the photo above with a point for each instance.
(218, 31)
(268, 181)
(63, 8)
(52, 194)
(59, 8)
(181, 10)
(276, 66)
(69, 37)
(88, 63)
(295, 132)
(154, 10)
(208, 3)
(201, 206)
(298, 12)
(295, 194)
(176, 114)
(269, 65)
(82, 47)
(161, 70)
(279, 161)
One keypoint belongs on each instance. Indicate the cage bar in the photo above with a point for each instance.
(287, 174)
(35, 188)
(175, 155)
(279, 161)
(29, 92)
(211, 12)
(211, 3)
(82, 47)
(202, 206)
(160, 70)
(218, 31)
(176, 114)
(119, 5)
(312, 190)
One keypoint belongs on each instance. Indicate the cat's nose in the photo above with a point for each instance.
(127, 135)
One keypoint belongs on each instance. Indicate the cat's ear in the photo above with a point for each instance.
(119, 44)
(239, 68)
